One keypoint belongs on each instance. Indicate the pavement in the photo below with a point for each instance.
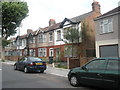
(50, 69)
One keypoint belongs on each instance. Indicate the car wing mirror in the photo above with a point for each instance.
(84, 68)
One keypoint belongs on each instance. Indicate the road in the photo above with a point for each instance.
(19, 79)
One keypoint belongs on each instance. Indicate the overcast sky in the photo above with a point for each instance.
(40, 11)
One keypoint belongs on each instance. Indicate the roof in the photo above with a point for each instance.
(23, 36)
(58, 25)
(80, 17)
(49, 28)
(72, 20)
(111, 12)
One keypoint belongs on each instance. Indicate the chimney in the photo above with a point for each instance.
(29, 31)
(96, 6)
(51, 22)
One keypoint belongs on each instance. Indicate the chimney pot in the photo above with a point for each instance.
(96, 6)
(51, 22)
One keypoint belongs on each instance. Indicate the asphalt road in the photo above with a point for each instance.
(19, 79)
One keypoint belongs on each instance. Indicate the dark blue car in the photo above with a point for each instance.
(30, 64)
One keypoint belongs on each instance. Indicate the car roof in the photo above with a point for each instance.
(118, 58)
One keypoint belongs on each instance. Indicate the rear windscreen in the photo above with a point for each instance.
(34, 59)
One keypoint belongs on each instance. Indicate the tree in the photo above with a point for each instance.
(12, 15)
(72, 35)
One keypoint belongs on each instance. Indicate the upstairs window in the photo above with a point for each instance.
(41, 38)
(50, 36)
(106, 26)
(24, 42)
(20, 42)
(59, 35)
(33, 40)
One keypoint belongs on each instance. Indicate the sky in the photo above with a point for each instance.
(40, 11)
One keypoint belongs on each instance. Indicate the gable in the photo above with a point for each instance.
(66, 22)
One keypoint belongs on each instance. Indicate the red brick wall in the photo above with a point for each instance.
(74, 62)
(12, 58)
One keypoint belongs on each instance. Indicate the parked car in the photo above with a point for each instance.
(29, 64)
(99, 72)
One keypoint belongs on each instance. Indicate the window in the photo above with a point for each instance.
(41, 38)
(34, 59)
(19, 53)
(19, 42)
(96, 64)
(42, 52)
(24, 42)
(30, 40)
(113, 65)
(25, 52)
(69, 52)
(50, 36)
(6, 53)
(32, 52)
(106, 26)
(33, 41)
(59, 35)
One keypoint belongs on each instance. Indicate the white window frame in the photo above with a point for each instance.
(42, 52)
(41, 38)
(59, 35)
(30, 52)
(33, 39)
(50, 37)
(25, 52)
(106, 26)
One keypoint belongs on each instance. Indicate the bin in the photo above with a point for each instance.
(50, 60)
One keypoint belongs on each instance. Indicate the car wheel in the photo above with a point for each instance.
(42, 71)
(25, 70)
(74, 81)
(15, 67)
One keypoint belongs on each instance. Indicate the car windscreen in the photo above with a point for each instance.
(34, 59)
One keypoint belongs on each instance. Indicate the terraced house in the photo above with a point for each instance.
(50, 41)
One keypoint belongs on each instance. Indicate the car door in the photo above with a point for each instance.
(112, 75)
(92, 75)
(19, 63)
(23, 63)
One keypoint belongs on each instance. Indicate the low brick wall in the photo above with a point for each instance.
(74, 62)
(12, 58)
(85, 60)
